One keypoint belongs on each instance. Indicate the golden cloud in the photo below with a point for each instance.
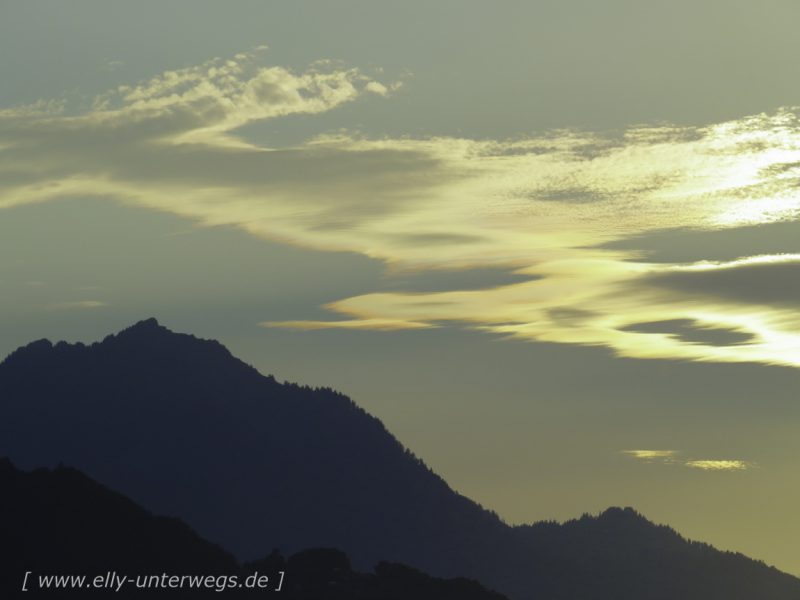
(719, 465)
(670, 457)
(544, 208)
(665, 455)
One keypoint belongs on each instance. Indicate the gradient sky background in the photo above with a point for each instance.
(554, 246)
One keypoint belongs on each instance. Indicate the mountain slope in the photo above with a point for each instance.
(182, 427)
(62, 522)
(186, 429)
(626, 556)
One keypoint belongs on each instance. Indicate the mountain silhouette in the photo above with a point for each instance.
(61, 523)
(185, 429)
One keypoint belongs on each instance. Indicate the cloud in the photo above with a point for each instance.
(38, 109)
(650, 455)
(366, 324)
(78, 305)
(558, 210)
(113, 65)
(719, 465)
(670, 457)
(204, 102)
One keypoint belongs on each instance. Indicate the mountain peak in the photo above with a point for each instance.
(149, 342)
(145, 342)
(147, 324)
(620, 513)
(149, 332)
(144, 328)
(624, 519)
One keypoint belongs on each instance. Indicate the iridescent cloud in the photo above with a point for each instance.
(548, 210)
(670, 457)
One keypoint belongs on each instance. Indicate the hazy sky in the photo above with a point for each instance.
(552, 245)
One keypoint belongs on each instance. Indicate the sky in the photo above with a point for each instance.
(553, 245)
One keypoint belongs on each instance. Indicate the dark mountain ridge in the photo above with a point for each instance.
(61, 523)
(182, 427)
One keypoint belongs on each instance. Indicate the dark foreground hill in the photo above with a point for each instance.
(62, 524)
(184, 428)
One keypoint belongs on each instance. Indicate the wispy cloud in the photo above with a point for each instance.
(113, 65)
(544, 209)
(366, 324)
(719, 465)
(649, 455)
(204, 103)
(77, 305)
(672, 457)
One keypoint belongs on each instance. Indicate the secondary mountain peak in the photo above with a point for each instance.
(32, 351)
